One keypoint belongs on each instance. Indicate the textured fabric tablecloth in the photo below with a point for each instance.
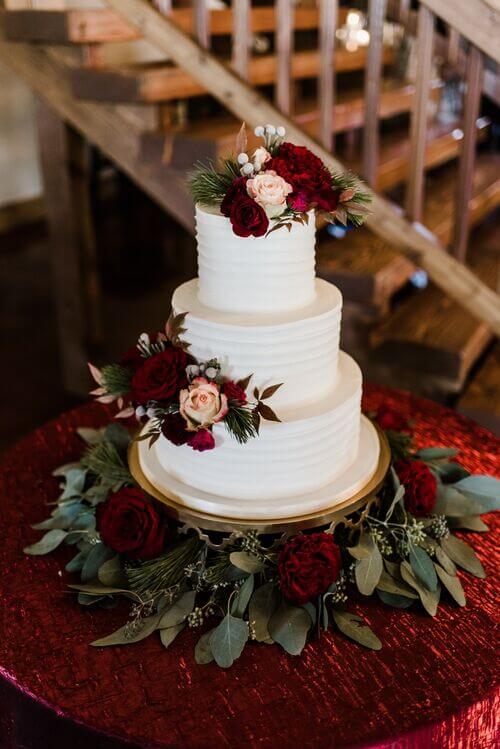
(432, 685)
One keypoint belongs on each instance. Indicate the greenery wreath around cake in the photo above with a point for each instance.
(276, 186)
(246, 587)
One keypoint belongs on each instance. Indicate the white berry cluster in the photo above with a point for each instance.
(272, 136)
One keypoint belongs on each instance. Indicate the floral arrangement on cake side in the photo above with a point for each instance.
(277, 185)
(401, 547)
(158, 382)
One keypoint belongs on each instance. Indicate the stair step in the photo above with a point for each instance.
(430, 334)
(481, 399)
(149, 83)
(98, 25)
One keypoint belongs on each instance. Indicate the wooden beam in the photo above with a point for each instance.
(373, 74)
(328, 25)
(476, 20)
(284, 50)
(241, 37)
(250, 106)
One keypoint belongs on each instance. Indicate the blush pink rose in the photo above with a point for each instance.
(202, 404)
(270, 191)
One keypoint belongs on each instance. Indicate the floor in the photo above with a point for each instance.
(139, 269)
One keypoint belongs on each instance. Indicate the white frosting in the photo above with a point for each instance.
(254, 274)
(299, 349)
(304, 452)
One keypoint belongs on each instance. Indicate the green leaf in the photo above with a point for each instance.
(112, 573)
(86, 600)
(463, 555)
(453, 503)
(95, 589)
(203, 652)
(76, 564)
(130, 633)
(247, 562)
(368, 570)
(363, 548)
(450, 472)
(47, 543)
(90, 436)
(263, 604)
(241, 601)
(61, 518)
(393, 568)
(228, 640)
(428, 598)
(178, 611)
(96, 557)
(444, 560)
(388, 584)
(452, 585)
(394, 600)
(289, 626)
(75, 481)
(118, 435)
(353, 626)
(470, 523)
(484, 490)
(168, 635)
(436, 453)
(312, 610)
(423, 568)
(398, 499)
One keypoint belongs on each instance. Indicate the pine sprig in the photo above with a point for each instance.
(163, 572)
(209, 184)
(116, 379)
(105, 462)
(240, 422)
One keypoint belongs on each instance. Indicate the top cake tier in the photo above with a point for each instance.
(273, 273)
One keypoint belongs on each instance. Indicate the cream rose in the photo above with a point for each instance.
(269, 190)
(260, 157)
(202, 404)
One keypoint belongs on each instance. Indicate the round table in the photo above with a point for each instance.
(433, 684)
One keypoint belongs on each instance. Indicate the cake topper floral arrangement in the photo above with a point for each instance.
(277, 185)
(159, 382)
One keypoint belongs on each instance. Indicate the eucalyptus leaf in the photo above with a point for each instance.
(95, 589)
(353, 627)
(423, 568)
(368, 570)
(289, 626)
(47, 543)
(96, 557)
(178, 611)
(75, 481)
(394, 600)
(111, 573)
(363, 548)
(263, 604)
(312, 611)
(76, 564)
(484, 489)
(388, 584)
(228, 640)
(62, 518)
(90, 436)
(203, 652)
(86, 600)
(393, 568)
(450, 472)
(118, 435)
(245, 561)
(463, 555)
(470, 523)
(436, 453)
(452, 585)
(241, 601)
(428, 598)
(398, 499)
(130, 632)
(324, 615)
(168, 635)
(445, 561)
(452, 503)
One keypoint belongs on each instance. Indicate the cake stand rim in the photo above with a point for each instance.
(207, 522)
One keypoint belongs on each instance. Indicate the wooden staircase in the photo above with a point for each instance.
(154, 119)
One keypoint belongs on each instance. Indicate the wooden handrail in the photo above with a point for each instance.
(477, 20)
(249, 105)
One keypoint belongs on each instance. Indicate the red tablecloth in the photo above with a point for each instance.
(432, 685)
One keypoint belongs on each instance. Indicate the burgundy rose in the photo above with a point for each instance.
(236, 191)
(309, 177)
(161, 376)
(174, 429)
(132, 358)
(130, 524)
(390, 420)
(326, 199)
(420, 486)
(307, 566)
(202, 440)
(234, 392)
(299, 201)
(248, 218)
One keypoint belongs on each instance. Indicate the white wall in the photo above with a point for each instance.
(19, 171)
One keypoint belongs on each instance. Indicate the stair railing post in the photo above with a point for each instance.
(241, 37)
(328, 15)
(201, 20)
(474, 82)
(373, 73)
(418, 130)
(284, 46)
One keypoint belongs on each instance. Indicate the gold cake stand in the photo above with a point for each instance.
(200, 521)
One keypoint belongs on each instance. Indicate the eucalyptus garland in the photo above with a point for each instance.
(399, 547)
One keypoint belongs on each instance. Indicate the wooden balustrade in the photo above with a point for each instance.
(376, 16)
(326, 85)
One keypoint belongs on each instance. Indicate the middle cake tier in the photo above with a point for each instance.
(298, 348)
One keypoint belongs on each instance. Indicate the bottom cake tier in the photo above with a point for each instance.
(289, 469)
